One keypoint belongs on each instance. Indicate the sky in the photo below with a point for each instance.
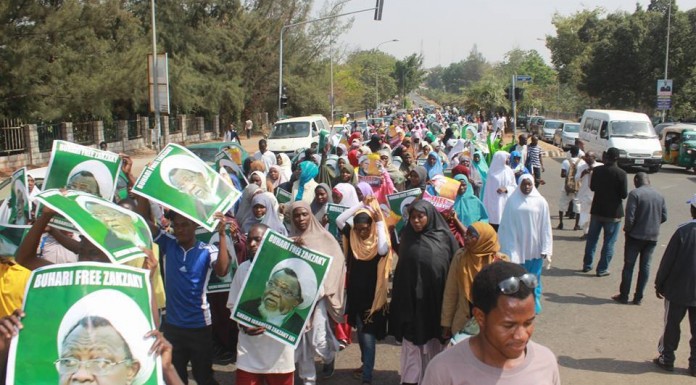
(446, 30)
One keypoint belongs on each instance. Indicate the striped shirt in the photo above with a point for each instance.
(534, 156)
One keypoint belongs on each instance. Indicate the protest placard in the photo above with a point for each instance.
(117, 231)
(98, 308)
(441, 204)
(332, 212)
(372, 180)
(281, 289)
(398, 204)
(283, 196)
(181, 181)
(76, 167)
(18, 204)
(10, 238)
(219, 284)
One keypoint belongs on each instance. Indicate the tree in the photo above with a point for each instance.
(409, 73)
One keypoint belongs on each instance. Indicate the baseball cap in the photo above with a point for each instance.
(692, 201)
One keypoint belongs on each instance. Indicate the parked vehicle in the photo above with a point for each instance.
(548, 129)
(630, 132)
(292, 134)
(565, 136)
(534, 124)
(679, 145)
(207, 151)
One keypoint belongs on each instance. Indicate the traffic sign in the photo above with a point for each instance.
(524, 78)
(664, 103)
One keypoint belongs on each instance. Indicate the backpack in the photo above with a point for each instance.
(571, 185)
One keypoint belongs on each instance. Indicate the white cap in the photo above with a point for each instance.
(692, 201)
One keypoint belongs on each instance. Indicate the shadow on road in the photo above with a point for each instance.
(558, 272)
(579, 298)
(575, 237)
(607, 365)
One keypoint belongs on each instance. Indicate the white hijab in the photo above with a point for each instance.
(286, 167)
(525, 231)
(500, 175)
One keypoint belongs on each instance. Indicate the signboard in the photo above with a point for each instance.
(664, 103)
(664, 87)
(524, 78)
(161, 83)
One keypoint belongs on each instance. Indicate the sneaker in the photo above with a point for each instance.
(328, 369)
(586, 269)
(618, 298)
(342, 344)
(560, 226)
(224, 358)
(603, 273)
(660, 361)
(576, 228)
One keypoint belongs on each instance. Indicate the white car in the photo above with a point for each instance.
(569, 133)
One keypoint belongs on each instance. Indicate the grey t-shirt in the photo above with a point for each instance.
(459, 366)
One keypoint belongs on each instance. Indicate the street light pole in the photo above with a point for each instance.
(155, 84)
(377, 73)
(280, 59)
(669, 22)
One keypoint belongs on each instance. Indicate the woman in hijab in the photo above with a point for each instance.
(525, 231)
(481, 167)
(364, 190)
(417, 178)
(434, 165)
(346, 174)
(244, 211)
(303, 188)
(425, 253)
(322, 197)
(395, 173)
(309, 233)
(275, 177)
(344, 194)
(481, 249)
(499, 185)
(463, 167)
(517, 166)
(474, 176)
(264, 210)
(467, 206)
(369, 258)
(283, 161)
(258, 178)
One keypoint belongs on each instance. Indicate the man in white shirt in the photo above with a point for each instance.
(259, 357)
(263, 154)
(502, 353)
(569, 168)
(584, 196)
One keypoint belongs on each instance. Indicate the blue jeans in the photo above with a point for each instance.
(634, 248)
(368, 348)
(611, 232)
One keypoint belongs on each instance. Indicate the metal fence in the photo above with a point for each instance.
(111, 132)
(11, 137)
(134, 130)
(47, 134)
(174, 125)
(191, 125)
(83, 133)
(208, 124)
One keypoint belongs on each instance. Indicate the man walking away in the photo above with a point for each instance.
(569, 169)
(610, 187)
(675, 283)
(645, 212)
(534, 162)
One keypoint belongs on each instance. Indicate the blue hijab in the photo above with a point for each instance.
(437, 168)
(482, 168)
(309, 171)
(468, 207)
(517, 167)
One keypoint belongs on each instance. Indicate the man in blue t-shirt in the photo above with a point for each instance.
(187, 267)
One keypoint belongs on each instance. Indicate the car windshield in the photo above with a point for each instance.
(551, 125)
(290, 130)
(630, 129)
(206, 154)
(572, 128)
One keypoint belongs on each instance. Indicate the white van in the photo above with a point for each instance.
(630, 132)
(289, 135)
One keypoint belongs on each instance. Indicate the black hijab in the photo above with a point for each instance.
(419, 279)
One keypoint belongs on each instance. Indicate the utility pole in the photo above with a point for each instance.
(155, 72)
